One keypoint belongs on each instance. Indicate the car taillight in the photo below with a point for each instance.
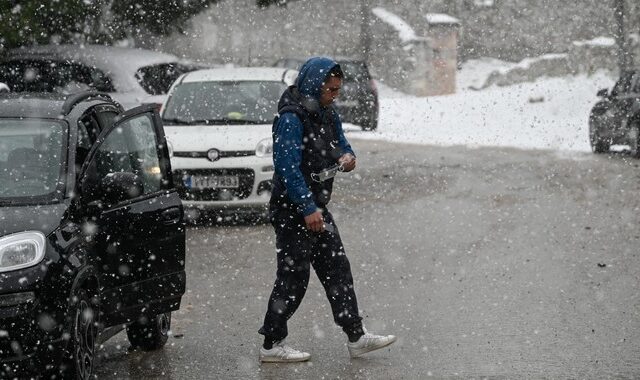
(374, 90)
(372, 86)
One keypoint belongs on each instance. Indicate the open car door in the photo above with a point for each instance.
(138, 218)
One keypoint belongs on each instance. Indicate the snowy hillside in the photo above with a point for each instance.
(551, 113)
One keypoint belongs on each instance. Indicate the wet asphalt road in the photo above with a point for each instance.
(487, 263)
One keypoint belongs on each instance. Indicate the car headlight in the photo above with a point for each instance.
(21, 250)
(264, 148)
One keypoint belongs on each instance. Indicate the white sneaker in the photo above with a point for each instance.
(369, 342)
(280, 353)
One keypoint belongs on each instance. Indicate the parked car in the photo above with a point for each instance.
(218, 123)
(615, 119)
(92, 236)
(358, 101)
(130, 76)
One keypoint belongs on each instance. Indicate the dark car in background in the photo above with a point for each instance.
(131, 76)
(92, 236)
(358, 101)
(615, 119)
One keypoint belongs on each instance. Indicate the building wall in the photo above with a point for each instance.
(237, 31)
(248, 35)
(510, 30)
(444, 42)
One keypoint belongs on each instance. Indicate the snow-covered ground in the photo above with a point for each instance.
(551, 113)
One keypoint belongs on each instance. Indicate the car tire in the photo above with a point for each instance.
(598, 144)
(80, 353)
(634, 146)
(370, 124)
(150, 334)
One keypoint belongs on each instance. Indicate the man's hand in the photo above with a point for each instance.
(347, 161)
(315, 222)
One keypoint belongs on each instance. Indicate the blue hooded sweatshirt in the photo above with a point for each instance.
(287, 144)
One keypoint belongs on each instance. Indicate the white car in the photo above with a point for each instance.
(131, 76)
(218, 124)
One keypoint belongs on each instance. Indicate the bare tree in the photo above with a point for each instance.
(622, 39)
(365, 33)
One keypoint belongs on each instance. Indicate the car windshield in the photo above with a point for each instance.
(31, 156)
(355, 72)
(46, 75)
(157, 79)
(239, 102)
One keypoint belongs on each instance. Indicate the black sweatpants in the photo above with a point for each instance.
(298, 249)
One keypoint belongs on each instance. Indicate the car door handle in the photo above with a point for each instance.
(171, 215)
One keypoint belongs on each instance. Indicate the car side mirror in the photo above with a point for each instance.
(4, 88)
(603, 93)
(121, 186)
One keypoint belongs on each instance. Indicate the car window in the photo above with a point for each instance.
(223, 102)
(146, 158)
(89, 127)
(31, 157)
(157, 79)
(636, 86)
(83, 145)
(355, 72)
(73, 77)
(130, 147)
(106, 118)
(88, 131)
(33, 75)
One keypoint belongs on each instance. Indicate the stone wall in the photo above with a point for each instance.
(239, 32)
(584, 57)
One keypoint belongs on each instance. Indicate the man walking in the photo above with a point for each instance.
(309, 148)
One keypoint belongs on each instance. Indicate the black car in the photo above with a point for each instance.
(358, 101)
(92, 235)
(615, 119)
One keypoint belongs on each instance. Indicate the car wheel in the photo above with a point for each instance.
(83, 330)
(634, 139)
(150, 334)
(598, 144)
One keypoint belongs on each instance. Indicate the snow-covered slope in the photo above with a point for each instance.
(551, 113)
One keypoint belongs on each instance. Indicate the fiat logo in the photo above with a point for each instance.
(213, 154)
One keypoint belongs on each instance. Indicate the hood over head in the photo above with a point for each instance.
(312, 75)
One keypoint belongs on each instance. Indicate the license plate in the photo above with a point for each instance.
(213, 182)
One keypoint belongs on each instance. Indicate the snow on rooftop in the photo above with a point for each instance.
(598, 41)
(268, 74)
(405, 31)
(441, 18)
